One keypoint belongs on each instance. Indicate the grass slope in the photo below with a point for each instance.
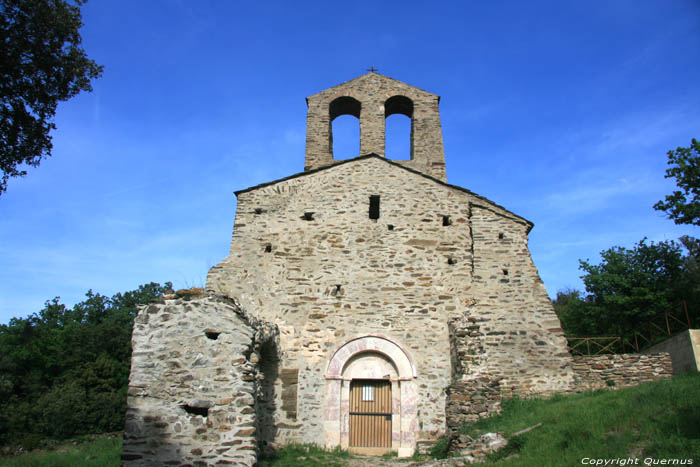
(659, 420)
(101, 452)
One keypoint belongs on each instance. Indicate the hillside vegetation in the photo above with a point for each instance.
(659, 420)
(656, 422)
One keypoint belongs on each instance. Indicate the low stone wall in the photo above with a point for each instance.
(194, 382)
(620, 371)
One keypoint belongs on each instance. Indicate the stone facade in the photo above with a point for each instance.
(195, 383)
(350, 272)
(368, 247)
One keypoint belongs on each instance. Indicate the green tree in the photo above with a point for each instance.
(64, 371)
(41, 64)
(629, 287)
(570, 306)
(683, 206)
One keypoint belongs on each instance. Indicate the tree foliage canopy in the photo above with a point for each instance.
(64, 371)
(631, 286)
(41, 64)
(683, 206)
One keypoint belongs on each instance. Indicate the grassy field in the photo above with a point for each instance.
(653, 422)
(104, 451)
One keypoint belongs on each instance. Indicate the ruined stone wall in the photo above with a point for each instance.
(473, 394)
(306, 256)
(470, 400)
(194, 382)
(620, 371)
(372, 90)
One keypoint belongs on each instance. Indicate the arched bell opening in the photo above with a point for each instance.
(398, 133)
(344, 131)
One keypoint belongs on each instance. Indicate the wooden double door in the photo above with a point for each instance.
(370, 413)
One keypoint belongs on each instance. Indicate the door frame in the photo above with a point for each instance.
(403, 391)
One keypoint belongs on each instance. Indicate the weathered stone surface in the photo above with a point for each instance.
(620, 371)
(471, 399)
(186, 410)
(370, 269)
(444, 273)
(371, 98)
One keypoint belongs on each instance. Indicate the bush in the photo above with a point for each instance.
(440, 448)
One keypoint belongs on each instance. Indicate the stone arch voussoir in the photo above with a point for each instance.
(378, 343)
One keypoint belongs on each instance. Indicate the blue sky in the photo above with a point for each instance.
(560, 111)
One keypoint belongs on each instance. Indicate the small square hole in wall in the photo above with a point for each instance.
(192, 410)
(446, 221)
(451, 260)
(308, 216)
(390, 227)
(259, 210)
(505, 272)
(337, 290)
(268, 248)
(501, 236)
(213, 335)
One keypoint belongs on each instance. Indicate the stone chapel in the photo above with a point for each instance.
(365, 303)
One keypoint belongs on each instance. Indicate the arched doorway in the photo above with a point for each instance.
(370, 406)
(371, 397)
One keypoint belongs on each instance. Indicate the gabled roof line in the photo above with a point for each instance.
(388, 161)
(373, 73)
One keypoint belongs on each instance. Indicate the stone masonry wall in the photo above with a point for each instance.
(194, 382)
(306, 256)
(620, 371)
(470, 400)
(521, 337)
(372, 90)
(471, 395)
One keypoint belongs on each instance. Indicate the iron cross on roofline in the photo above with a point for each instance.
(371, 69)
